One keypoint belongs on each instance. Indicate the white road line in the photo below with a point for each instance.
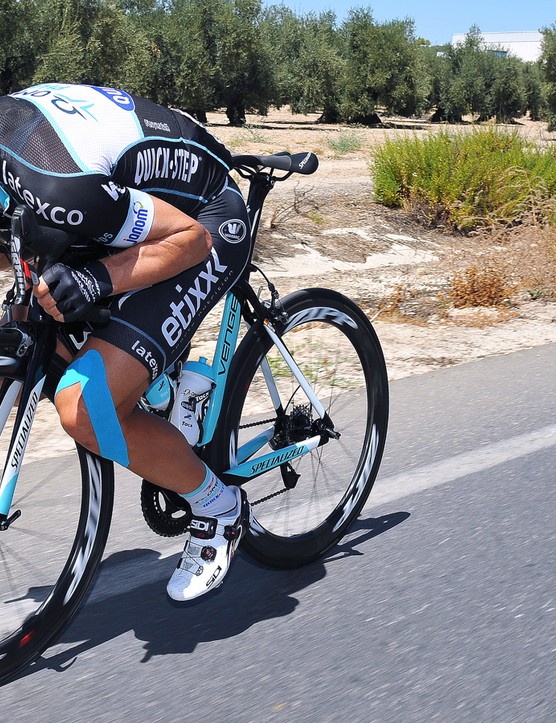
(389, 489)
(127, 576)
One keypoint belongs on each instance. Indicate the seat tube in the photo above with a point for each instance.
(225, 347)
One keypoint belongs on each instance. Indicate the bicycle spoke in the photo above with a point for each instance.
(303, 507)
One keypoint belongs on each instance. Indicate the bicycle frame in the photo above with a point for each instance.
(247, 465)
(29, 391)
(27, 380)
(225, 347)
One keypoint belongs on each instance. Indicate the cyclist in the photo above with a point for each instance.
(150, 187)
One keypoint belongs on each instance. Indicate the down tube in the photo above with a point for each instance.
(225, 347)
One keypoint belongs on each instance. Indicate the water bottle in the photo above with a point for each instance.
(194, 387)
(161, 393)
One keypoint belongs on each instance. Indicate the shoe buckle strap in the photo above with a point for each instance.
(232, 532)
(189, 564)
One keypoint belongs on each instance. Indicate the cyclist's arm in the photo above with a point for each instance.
(157, 240)
(174, 243)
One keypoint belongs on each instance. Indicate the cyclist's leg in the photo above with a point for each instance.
(143, 442)
(149, 329)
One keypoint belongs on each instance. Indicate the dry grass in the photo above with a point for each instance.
(480, 286)
(529, 252)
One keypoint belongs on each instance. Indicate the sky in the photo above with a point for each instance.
(438, 20)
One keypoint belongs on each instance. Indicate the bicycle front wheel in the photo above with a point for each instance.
(306, 505)
(49, 555)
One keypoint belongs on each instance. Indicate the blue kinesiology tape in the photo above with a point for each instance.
(90, 372)
(4, 200)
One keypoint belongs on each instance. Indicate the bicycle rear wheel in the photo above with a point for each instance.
(50, 555)
(307, 504)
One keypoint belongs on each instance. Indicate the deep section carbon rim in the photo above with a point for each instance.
(50, 555)
(304, 506)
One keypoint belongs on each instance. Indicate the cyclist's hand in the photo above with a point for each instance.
(67, 294)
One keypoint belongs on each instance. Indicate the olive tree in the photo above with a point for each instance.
(548, 66)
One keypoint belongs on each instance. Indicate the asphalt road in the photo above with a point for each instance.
(439, 605)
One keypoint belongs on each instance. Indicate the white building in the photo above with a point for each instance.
(524, 44)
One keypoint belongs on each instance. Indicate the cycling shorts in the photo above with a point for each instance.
(155, 324)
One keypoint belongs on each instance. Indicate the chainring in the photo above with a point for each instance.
(165, 512)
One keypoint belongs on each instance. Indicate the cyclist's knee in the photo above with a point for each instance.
(87, 412)
(74, 416)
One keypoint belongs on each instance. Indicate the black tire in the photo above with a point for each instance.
(337, 349)
(49, 557)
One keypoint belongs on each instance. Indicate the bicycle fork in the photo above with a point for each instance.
(18, 443)
(27, 394)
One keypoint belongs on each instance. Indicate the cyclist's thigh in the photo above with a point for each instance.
(227, 221)
(156, 324)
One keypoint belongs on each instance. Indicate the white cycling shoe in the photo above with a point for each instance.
(209, 548)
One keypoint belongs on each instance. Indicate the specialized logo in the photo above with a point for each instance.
(52, 214)
(119, 97)
(185, 309)
(165, 162)
(278, 460)
(25, 430)
(233, 231)
(304, 161)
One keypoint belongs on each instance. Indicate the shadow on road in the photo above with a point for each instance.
(250, 594)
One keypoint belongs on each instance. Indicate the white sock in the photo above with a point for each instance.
(211, 498)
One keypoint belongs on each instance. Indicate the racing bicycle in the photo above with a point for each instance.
(298, 416)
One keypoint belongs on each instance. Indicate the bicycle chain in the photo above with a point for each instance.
(274, 494)
(257, 424)
(269, 497)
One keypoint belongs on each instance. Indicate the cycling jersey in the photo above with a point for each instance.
(88, 160)
(84, 159)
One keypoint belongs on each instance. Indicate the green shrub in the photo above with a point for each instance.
(345, 142)
(466, 179)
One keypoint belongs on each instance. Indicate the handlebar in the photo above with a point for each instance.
(49, 245)
(305, 163)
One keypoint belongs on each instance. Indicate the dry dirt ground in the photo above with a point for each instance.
(325, 230)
